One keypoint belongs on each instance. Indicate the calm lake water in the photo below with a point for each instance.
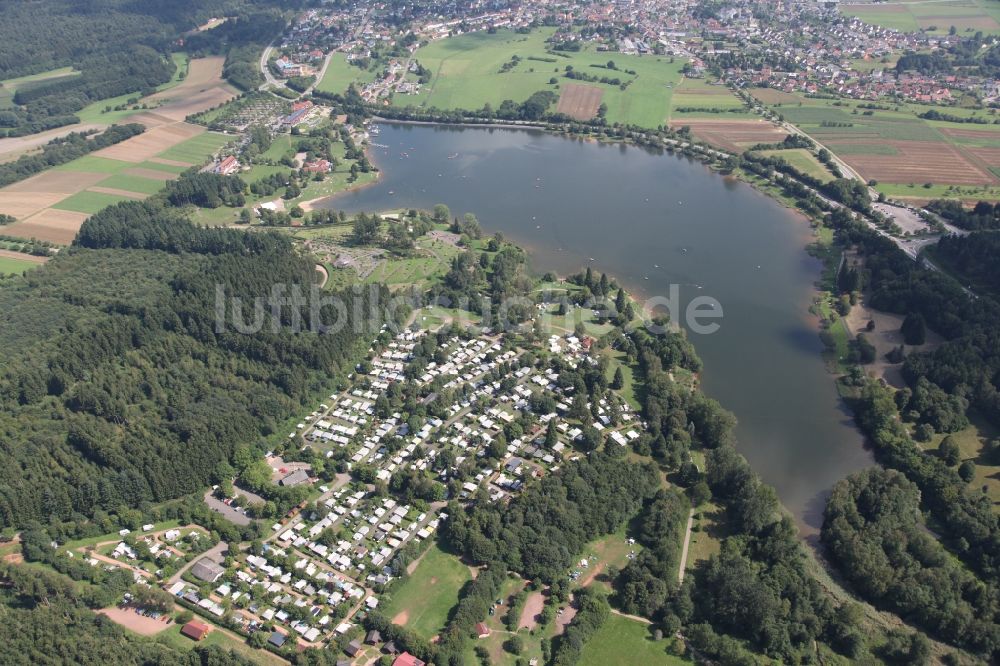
(653, 220)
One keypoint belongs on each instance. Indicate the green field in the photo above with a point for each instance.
(131, 183)
(429, 593)
(934, 17)
(198, 149)
(622, 642)
(340, 74)
(166, 168)
(803, 160)
(89, 202)
(94, 164)
(466, 75)
(699, 98)
(12, 266)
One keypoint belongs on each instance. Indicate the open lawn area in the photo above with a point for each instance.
(803, 160)
(340, 74)
(622, 641)
(972, 442)
(14, 266)
(422, 602)
(466, 74)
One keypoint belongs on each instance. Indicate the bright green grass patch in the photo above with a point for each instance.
(129, 183)
(340, 74)
(279, 148)
(884, 16)
(803, 160)
(94, 164)
(198, 149)
(429, 593)
(12, 266)
(466, 75)
(89, 202)
(623, 641)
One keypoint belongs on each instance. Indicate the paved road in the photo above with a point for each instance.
(266, 71)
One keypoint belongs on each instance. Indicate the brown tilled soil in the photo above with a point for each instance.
(579, 101)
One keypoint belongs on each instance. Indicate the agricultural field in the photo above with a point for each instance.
(698, 98)
(732, 134)
(52, 205)
(467, 74)
(422, 602)
(909, 157)
(622, 641)
(933, 17)
(579, 101)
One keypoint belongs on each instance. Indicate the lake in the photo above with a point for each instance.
(652, 220)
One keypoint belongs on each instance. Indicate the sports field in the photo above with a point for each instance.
(937, 16)
(467, 75)
(421, 603)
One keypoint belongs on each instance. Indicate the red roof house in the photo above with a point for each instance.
(482, 630)
(195, 630)
(407, 659)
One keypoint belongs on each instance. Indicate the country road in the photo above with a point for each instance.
(269, 78)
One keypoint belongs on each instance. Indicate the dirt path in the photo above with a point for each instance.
(532, 609)
(684, 549)
(130, 619)
(324, 275)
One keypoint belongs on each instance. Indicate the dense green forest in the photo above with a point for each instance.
(118, 388)
(872, 533)
(119, 47)
(973, 258)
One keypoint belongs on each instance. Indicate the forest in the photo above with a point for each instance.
(973, 258)
(872, 532)
(119, 47)
(52, 103)
(115, 344)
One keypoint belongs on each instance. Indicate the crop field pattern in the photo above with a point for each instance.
(935, 17)
(52, 205)
(579, 101)
(894, 146)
